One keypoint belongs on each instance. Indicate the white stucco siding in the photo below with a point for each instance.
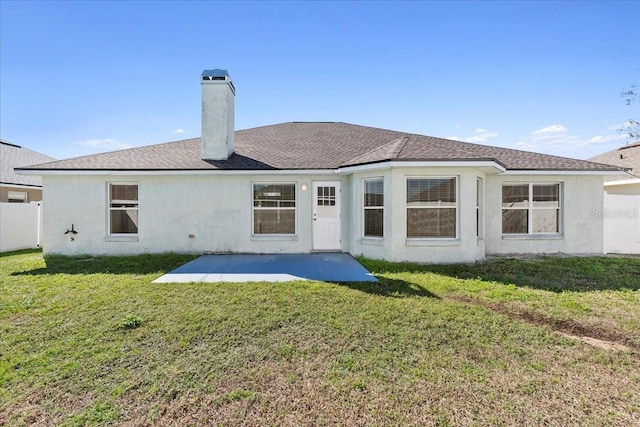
(215, 209)
(581, 232)
(464, 247)
(395, 246)
(370, 247)
(77, 201)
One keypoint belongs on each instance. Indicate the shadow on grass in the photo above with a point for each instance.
(390, 288)
(550, 273)
(20, 252)
(136, 264)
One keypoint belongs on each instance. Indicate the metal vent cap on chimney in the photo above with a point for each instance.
(217, 74)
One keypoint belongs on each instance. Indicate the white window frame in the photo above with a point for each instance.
(112, 209)
(365, 207)
(17, 197)
(457, 207)
(480, 207)
(530, 208)
(294, 208)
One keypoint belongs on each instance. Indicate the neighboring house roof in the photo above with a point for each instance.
(627, 157)
(13, 156)
(316, 145)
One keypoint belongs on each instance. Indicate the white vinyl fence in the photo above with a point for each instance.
(621, 223)
(20, 226)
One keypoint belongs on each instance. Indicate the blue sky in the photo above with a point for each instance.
(82, 77)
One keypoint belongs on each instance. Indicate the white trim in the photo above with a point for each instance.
(317, 244)
(23, 196)
(564, 172)
(456, 207)
(132, 172)
(538, 236)
(480, 191)
(275, 236)
(28, 187)
(622, 182)
(530, 208)
(498, 168)
(374, 241)
(432, 241)
(365, 207)
(422, 164)
(121, 238)
(344, 170)
(118, 237)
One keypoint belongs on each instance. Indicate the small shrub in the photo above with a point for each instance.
(130, 321)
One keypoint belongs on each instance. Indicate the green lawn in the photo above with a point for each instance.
(91, 341)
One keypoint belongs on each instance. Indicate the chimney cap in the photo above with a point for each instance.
(215, 73)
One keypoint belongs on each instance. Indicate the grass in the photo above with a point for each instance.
(428, 345)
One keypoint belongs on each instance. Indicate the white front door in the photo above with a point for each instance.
(326, 215)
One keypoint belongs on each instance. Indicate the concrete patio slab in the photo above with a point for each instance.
(327, 267)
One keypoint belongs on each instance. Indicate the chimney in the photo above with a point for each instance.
(218, 95)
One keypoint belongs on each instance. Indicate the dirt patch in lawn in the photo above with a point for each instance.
(606, 339)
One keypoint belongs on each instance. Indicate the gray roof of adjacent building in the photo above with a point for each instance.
(627, 157)
(313, 146)
(13, 156)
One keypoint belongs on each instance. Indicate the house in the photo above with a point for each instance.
(16, 188)
(621, 212)
(19, 197)
(299, 187)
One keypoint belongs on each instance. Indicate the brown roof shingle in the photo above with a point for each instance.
(316, 145)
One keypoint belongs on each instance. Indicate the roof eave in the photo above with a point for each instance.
(490, 166)
(176, 172)
(596, 172)
(622, 182)
(16, 185)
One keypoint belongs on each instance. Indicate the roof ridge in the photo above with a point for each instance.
(316, 145)
(2, 141)
(395, 150)
(632, 145)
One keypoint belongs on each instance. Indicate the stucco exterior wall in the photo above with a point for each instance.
(33, 194)
(215, 209)
(395, 246)
(581, 231)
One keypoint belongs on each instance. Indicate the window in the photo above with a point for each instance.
(326, 196)
(479, 206)
(431, 207)
(274, 208)
(374, 207)
(17, 197)
(123, 208)
(531, 209)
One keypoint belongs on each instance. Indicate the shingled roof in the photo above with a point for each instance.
(625, 157)
(12, 156)
(316, 145)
